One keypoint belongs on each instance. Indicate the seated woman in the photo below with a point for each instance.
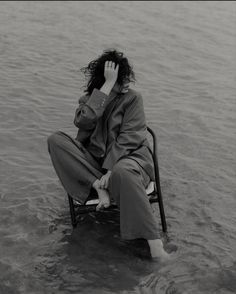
(111, 152)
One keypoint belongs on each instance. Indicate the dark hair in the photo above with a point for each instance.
(95, 69)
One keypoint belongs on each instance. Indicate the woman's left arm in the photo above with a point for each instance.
(132, 133)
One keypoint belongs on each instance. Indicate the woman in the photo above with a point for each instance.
(110, 153)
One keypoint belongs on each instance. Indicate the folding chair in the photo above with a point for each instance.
(153, 193)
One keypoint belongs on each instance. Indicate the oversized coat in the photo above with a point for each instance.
(113, 127)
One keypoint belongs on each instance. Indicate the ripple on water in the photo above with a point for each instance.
(184, 72)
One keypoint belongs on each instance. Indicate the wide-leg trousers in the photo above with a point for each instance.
(77, 170)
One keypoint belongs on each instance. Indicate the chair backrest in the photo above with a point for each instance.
(154, 140)
(154, 157)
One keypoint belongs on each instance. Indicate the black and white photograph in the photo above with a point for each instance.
(118, 147)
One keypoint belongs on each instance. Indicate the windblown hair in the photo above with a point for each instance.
(95, 70)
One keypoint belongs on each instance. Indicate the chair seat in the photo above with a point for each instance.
(95, 201)
(150, 188)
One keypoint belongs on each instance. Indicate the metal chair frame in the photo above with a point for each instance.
(156, 196)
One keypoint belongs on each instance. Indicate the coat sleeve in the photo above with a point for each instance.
(90, 109)
(132, 133)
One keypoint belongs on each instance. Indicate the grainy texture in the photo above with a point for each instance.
(184, 56)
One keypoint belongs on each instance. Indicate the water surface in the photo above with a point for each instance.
(184, 58)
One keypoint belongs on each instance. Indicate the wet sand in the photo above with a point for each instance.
(184, 58)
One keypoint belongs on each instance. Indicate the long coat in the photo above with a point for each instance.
(112, 127)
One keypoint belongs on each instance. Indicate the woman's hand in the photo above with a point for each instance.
(111, 72)
(104, 181)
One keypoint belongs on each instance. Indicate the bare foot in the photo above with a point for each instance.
(103, 195)
(157, 250)
(104, 199)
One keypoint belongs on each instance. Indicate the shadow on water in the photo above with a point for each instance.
(93, 257)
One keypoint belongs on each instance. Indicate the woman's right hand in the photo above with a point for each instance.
(111, 72)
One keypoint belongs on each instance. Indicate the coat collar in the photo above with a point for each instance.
(113, 95)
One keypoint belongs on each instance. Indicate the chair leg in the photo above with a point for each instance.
(160, 201)
(162, 212)
(72, 211)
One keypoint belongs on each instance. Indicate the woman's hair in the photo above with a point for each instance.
(95, 70)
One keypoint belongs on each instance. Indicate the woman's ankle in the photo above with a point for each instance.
(157, 250)
(156, 242)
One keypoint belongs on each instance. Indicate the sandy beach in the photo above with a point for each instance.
(183, 54)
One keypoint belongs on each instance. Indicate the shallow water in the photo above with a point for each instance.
(184, 58)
